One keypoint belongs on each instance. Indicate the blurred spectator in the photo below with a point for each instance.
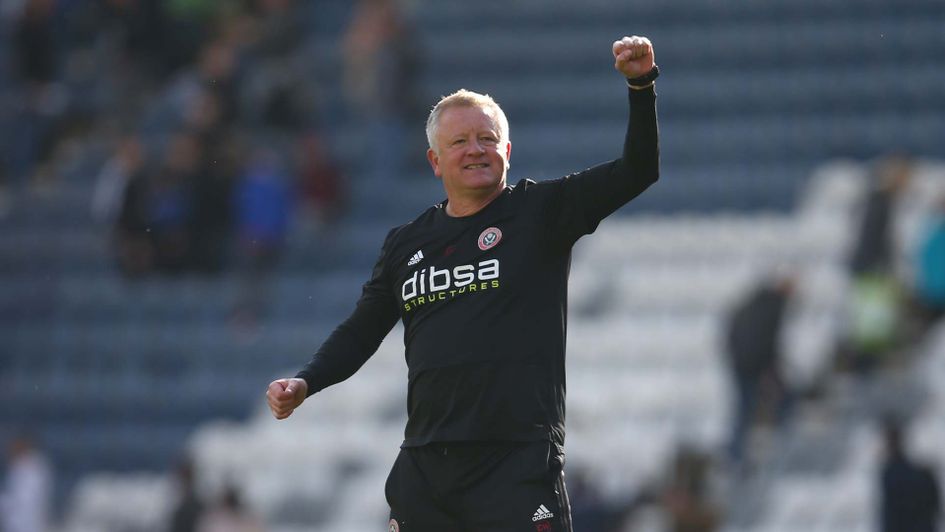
(42, 100)
(262, 204)
(754, 348)
(33, 40)
(217, 73)
(170, 204)
(191, 21)
(380, 71)
(125, 165)
(279, 28)
(875, 306)
(189, 509)
(134, 248)
(140, 27)
(911, 497)
(220, 161)
(25, 499)
(320, 179)
(874, 247)
(229, 516)
(590, 511)
(205, 96)
(875, 310)
(930, 268)
(685, 499)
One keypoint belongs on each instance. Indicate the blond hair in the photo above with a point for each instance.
(465, 98)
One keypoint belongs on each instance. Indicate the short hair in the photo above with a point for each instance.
(466, 98)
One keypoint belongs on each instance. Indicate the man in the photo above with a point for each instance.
(754, 347)
(910, 497)
(480, 283)
(25, 494)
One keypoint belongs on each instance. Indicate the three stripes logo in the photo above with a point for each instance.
(417, 257)
(542, 513)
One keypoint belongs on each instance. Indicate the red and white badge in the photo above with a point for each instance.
(393, 526)
(489, 238)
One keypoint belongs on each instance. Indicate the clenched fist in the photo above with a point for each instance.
(285, 395)
(633, 56)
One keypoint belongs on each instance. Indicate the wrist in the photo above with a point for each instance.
(645, 81)
(300, 383)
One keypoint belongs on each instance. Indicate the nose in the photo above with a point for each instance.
(476, 148)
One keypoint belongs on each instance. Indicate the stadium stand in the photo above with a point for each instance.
(646, 371)
(118, 378)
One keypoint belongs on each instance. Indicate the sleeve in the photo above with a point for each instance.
(583, 199)
(353, 342)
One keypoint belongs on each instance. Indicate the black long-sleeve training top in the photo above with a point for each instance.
(483, 300)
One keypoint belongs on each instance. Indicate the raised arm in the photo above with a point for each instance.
(587, 197)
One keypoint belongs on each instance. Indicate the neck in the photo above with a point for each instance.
(460, 206)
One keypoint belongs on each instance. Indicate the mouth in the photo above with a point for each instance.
(476, 166)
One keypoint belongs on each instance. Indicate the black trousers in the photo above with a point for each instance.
(479, 487)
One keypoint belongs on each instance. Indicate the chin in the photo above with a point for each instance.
(484, 182)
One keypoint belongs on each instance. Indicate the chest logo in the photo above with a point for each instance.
(489, 238)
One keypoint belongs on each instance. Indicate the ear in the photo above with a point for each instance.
(434, 162)
(508, 154)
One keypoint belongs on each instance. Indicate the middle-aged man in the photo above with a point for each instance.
(480, 284)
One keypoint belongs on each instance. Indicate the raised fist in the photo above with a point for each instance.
(633, 56)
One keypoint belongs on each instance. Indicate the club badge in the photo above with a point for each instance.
(489, 238)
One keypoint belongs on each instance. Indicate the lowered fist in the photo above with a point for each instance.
(285, 395)
(633, 56)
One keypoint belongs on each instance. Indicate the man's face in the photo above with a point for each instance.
(471, 157)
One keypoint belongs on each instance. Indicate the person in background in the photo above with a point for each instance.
(685, 498)
(930, 269)
(219, 163)
(320, 179)
(189, 508)
(25, 499)
(910, 492)
(170, 204)
(126, 164)
(262, 204)
(381, 66)
(126, 177)
(36, 66)
(229, 515)
(875, 304)
(874, 247)
(754, 348)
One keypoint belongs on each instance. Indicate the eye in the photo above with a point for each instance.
(457, 142)
(488, 139)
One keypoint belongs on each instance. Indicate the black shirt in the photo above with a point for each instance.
(483, 300)
(911, 499)
(754, 332)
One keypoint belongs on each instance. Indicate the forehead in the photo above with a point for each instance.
(459, 119)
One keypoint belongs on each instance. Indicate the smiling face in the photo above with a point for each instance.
(471, 157)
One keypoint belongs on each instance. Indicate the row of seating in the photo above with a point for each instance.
(848, 499)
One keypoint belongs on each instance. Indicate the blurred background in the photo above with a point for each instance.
(193, 191)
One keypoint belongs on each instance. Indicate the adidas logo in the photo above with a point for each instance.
(417, 257)
(542, 513)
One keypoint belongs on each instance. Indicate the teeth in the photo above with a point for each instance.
(480, 165)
